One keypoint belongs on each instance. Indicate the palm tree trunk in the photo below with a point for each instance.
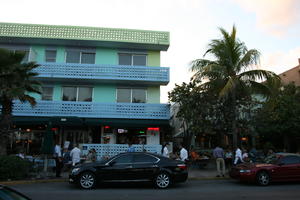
(234, 114)
(5, 124)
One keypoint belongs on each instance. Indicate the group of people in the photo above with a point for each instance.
(182, 155)
(227, 158)
(66, 158)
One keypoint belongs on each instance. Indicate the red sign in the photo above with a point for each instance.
(54, 129)
(153, 129)
(106, 127)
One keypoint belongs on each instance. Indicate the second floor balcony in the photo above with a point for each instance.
(93, 110)
(103, 73)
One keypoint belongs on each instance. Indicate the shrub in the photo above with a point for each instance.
(13, 167)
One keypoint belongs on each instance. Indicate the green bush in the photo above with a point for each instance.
(13, 167)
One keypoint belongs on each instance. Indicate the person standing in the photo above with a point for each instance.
(165, 151)
(58, 159)
(218, 154)
(75, 155)
(130, 148)
(238, 156)
(183, 153)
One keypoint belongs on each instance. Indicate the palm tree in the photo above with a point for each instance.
(15, 83)
(231, 74)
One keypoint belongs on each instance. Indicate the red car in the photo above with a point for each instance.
(277, 168)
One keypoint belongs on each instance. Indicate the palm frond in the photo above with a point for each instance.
(228, 88)
(258, 74)
(250, 57)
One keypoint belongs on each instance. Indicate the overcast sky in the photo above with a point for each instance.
(271, 26)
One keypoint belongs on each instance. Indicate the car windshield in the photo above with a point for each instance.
(6, 193)
(271, 159)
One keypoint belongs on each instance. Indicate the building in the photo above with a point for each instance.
(99, 85)
(291, 75)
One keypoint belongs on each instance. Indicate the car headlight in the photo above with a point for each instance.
(245, 171)
(75, 170)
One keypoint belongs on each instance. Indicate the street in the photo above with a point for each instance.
(193, 189)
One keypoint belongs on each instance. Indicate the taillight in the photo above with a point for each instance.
(182, 166)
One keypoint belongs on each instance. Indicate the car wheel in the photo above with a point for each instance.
(162, 180)
(87, 180)
(263, 178)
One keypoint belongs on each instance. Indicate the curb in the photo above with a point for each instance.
(33, 181)
(66, 180)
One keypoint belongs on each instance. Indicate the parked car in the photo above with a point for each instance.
(138, 166)
(277, 168)
(7, 193)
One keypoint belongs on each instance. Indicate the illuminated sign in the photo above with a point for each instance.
(153, 129)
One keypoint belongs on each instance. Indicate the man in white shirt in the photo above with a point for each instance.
(75, 155)
(183, 153)
(165, 151)
(58, 159)
(238, 156)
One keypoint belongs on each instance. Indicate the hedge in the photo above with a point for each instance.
(14, 168)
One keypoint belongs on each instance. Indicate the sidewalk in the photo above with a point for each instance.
(208, 172)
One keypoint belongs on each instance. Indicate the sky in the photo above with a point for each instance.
(271, 26)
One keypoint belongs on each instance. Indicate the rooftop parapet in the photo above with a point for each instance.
(110, 37)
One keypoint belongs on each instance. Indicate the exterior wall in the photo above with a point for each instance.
(104, 93)
(39, 50)
(292, 75)
(153, 58)
(153, 94)
(106, 56)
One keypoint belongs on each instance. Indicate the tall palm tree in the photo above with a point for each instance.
(15, 83)
(231, 73)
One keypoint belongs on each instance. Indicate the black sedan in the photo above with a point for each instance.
(136, 166)
(7, 193)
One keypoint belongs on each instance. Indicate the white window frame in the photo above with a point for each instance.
(146, 91)
(77, 91)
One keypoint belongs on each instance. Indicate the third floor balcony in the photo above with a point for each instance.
(69, 72)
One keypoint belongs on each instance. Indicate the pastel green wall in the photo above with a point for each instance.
(104, 93)
(40, 52)
(106, 56)
(57, 92)
(153, 58)
(60, 54)
(153, 94)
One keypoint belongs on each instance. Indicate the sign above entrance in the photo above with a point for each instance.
(153, 129)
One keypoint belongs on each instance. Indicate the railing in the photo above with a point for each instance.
(103, 72)
(93, 110)
(109, 150)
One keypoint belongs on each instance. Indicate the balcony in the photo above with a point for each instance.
(103, 73)
(93, 110)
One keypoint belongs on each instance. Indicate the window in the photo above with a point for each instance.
(289, 160)
(77, 56)
(132, 59)
(144, 159)
(124, 159)
(47, 93)
(50, 56)
(131, 95)
(77, 93)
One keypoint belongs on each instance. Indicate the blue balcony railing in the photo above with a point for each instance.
(93, 110)
(104, 73)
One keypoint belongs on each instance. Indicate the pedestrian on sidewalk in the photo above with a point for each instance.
(238, 156)
(75, 155)
(218, 154)
(183, 153)
(165, 151)
(58, 159)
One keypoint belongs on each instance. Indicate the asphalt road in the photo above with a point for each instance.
(193, 189)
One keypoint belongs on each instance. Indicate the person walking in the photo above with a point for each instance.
(238, 156)
(183, 153)
(218, 154)
(164, 151)
(91, 156)
(58, 159)
(75, 155)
